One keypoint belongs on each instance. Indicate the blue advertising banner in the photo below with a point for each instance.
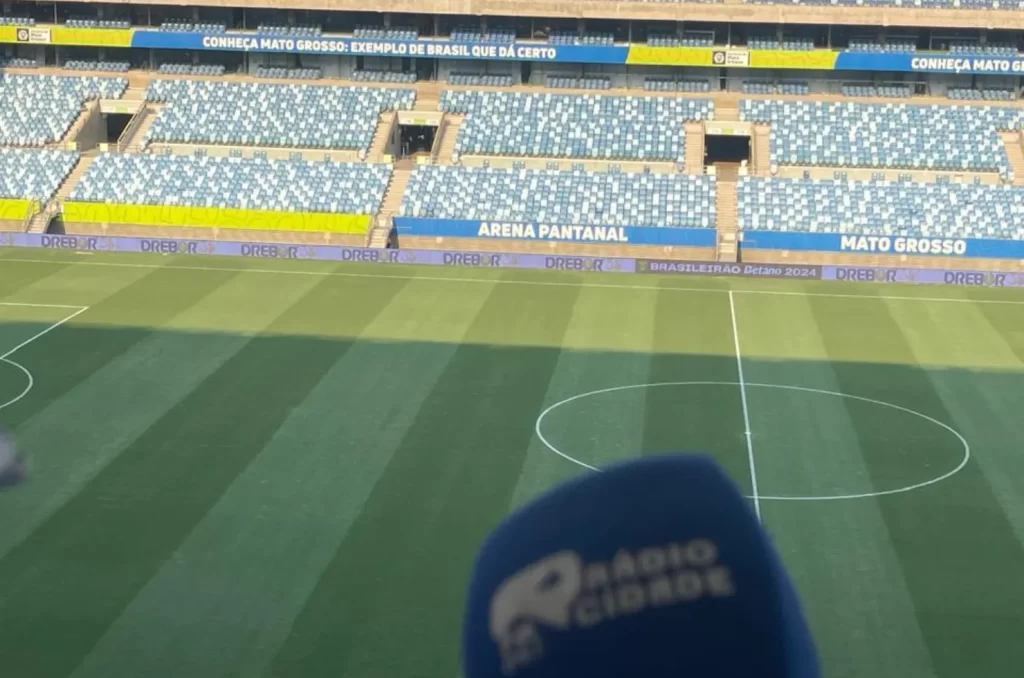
(621, 235)
(435, 49)
(930, 63)
(881, 244)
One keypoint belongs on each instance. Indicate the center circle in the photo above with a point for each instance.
(538, 429)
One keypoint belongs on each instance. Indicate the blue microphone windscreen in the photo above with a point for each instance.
(648, 569)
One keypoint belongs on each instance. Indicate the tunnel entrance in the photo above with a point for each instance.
(723, 148)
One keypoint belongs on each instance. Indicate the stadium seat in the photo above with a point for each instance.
(38, 110)
(260, 114)
(886, 135)
(573, 126)
(33, 174)
(554, 197)
(895, 208)
(243, 183)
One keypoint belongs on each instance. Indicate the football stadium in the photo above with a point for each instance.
(300, 300)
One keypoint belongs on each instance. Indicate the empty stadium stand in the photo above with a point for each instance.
(298, 116)
(573, 126)
(33, 174)
(886, 135)
(237, 183)
(906, 208)
(577, 197)
(39, 110)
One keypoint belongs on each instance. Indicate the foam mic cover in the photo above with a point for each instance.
(649, 569)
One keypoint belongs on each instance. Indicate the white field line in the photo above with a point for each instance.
(529, 283)
(746, 411)
(49, 329)
(27, 305)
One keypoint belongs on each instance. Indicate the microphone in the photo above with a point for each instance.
(653, 568)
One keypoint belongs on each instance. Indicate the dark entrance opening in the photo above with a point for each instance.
(116, 123)
(726, 149)
(56, 226)
(416, 140)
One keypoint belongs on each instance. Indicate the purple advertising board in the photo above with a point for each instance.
(267, 251)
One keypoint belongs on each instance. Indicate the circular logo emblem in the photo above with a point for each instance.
(22, 35)
(718, 58)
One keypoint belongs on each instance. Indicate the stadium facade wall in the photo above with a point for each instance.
(536, 52)
(651, 11)
(15, 210)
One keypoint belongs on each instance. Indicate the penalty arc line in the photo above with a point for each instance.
(5, 358)
(746, 410)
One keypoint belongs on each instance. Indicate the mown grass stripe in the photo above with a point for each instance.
(89, 559)
(839, 552)
(692, 341)
(71, 438)
(390, 603)
(226, 600)
(964, 594)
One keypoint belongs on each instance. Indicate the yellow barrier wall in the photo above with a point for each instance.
(62, 35)
(15, 210)
(213, 217)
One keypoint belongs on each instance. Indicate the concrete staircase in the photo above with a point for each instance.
(449, 134)
(382, 136)
(380, 233)
(40, 221)
(389, 206)
(428, 97)
(727, 109)
(693, 163)
(726, 209)
(133, 140)
(1014, 142)
(761, 163)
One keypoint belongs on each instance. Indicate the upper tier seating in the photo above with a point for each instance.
(242, 183)
(913, 4)
(299, 31)
(184, 26)
(33, 174)
(576, 38)
(988, 94)
(573, 126)
(205, 70)
(682, 85)
(301, 116)
(552, 197)
(892, 91)
(886, 135)
(491, 35)
(891, 45)
(905, 208)
(109, 66)
(89, 22)
(37, 110)
(374, 75)
(481, 79)
(575, 82)
(17, 21)
(386, 32)
(289, 73)
(687, 39)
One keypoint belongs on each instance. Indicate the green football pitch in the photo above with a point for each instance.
(284, 469)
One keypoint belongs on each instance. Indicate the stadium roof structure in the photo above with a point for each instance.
(727, 11)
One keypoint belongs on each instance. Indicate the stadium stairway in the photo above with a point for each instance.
(135, 135)
(450, 127)
(383, 223)
(40, 221)
(428, 97)
(382, 137)
(726, 209)
(761, 162)
(1014, 142)
(694, 160)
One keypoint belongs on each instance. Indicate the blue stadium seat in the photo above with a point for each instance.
(33, 174)
(243, 183)
(553, 197)
(38, 110)
(895, 208)
(573, 126)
